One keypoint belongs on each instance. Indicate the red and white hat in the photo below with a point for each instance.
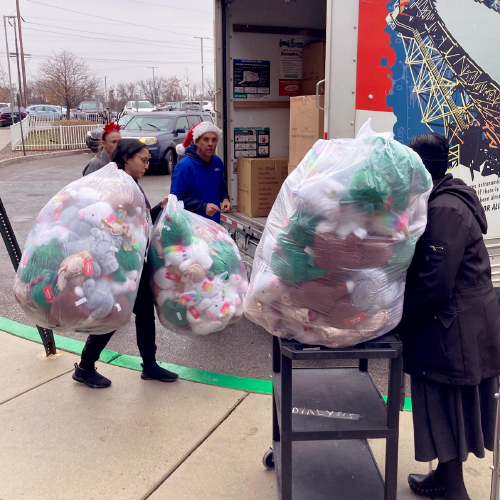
(195, 133)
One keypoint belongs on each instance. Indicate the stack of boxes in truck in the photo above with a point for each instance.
(260, 179)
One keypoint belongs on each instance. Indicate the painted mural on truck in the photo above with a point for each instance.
(435, 65)
(450, 91)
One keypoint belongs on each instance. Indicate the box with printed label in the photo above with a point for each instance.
(306, 126)
(259, 182)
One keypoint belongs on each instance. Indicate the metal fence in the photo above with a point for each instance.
(45, 135)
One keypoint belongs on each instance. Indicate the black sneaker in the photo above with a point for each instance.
(155, 372)
(90, 378)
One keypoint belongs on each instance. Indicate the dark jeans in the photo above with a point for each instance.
(144, 311)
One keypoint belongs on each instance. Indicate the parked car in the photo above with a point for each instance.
(44, 112)
(93, 139)
(168, 106)
(7, 117)
(208, 106)
(131, 107)
(87, 110)
(161, 132)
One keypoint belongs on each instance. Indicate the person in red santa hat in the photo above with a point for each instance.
(109, 140)
(199, 179)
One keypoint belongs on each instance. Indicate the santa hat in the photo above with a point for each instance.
(195, 133)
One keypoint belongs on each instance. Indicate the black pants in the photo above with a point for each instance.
(144, 311)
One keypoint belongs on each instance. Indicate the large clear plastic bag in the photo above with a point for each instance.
(331, 266)
(83, 258)
(198, 278)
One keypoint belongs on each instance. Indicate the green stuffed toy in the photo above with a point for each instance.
(154, 260)
(175, 313)
(128, 260)
(176, 231)
(43, 290)
(301, 228)
(44, 258)
(388, 175)
(225, 261)
(292, 264)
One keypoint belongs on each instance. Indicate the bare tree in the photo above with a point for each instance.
(4, 85)
(187, 84)
(171, 90)
(67, 80)
(209, 89)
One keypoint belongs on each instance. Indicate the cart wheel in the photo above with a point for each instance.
(268, 459)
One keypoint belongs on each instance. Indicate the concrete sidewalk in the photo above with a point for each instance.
(144, 439)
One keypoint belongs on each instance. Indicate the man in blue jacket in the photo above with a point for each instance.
(198, 179)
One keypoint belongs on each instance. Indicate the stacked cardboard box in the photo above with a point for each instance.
(306, 127)
(313, 66)
(259, 182)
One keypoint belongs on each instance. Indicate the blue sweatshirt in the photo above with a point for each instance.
(197, 182)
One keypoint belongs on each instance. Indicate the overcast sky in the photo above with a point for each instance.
(119, 39)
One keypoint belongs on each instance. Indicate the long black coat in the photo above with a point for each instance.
(451, 318)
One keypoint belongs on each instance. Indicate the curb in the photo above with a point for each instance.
(41, 156)
(114, 358)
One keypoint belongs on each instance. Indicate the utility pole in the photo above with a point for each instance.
(8, 60)
(22, 54)
(105, 91)
(154, 86)
(17, 59)
(202, 78)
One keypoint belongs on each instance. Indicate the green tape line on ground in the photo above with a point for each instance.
(134, 362)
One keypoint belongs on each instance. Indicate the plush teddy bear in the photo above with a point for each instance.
(267, 287)
(125, 196)
(100, 300)
(194, 274)
(74, 269)
(319, 196)
(103, 248)
(68, 309)
(341, 255)
(175, 313)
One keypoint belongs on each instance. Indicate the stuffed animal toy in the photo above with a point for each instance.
(225, 260)
(267, 287)
(176, 230)
(43, 289)
(43, 258)
(155, 262)
(103, 248)
(319, 196)
(174, 255)
(96, 213)
(339, 256)
(99, 298)
(194, 274)
(68, 309)
(74, 270)
(175, 313)
(198, 252)
(125, 196)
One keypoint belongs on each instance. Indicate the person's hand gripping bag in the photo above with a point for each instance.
(330, 268)
(82, 261)
(197, 275)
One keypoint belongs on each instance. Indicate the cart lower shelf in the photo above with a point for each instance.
(332, 470)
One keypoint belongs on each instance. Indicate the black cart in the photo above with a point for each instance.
(322, 418)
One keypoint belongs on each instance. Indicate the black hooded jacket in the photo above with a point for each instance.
(451, 318)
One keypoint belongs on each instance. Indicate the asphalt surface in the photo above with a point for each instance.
(243, 349)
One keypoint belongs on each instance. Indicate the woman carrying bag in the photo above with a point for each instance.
(132, 156)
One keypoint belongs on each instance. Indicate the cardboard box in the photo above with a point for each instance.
(291, 168)
(306, 126)
(313, 66)
(259, 182)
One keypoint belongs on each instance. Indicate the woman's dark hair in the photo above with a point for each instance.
(126, 149)
(433, 149)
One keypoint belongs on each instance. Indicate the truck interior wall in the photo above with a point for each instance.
(302, 14)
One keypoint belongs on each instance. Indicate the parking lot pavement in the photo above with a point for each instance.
(243, 349)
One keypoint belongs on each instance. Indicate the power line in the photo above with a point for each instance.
(159, 5)
(107, 34)
(156, 44)
(107, 18)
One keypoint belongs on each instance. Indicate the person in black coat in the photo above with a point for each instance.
(451, 330)
(132, 156)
